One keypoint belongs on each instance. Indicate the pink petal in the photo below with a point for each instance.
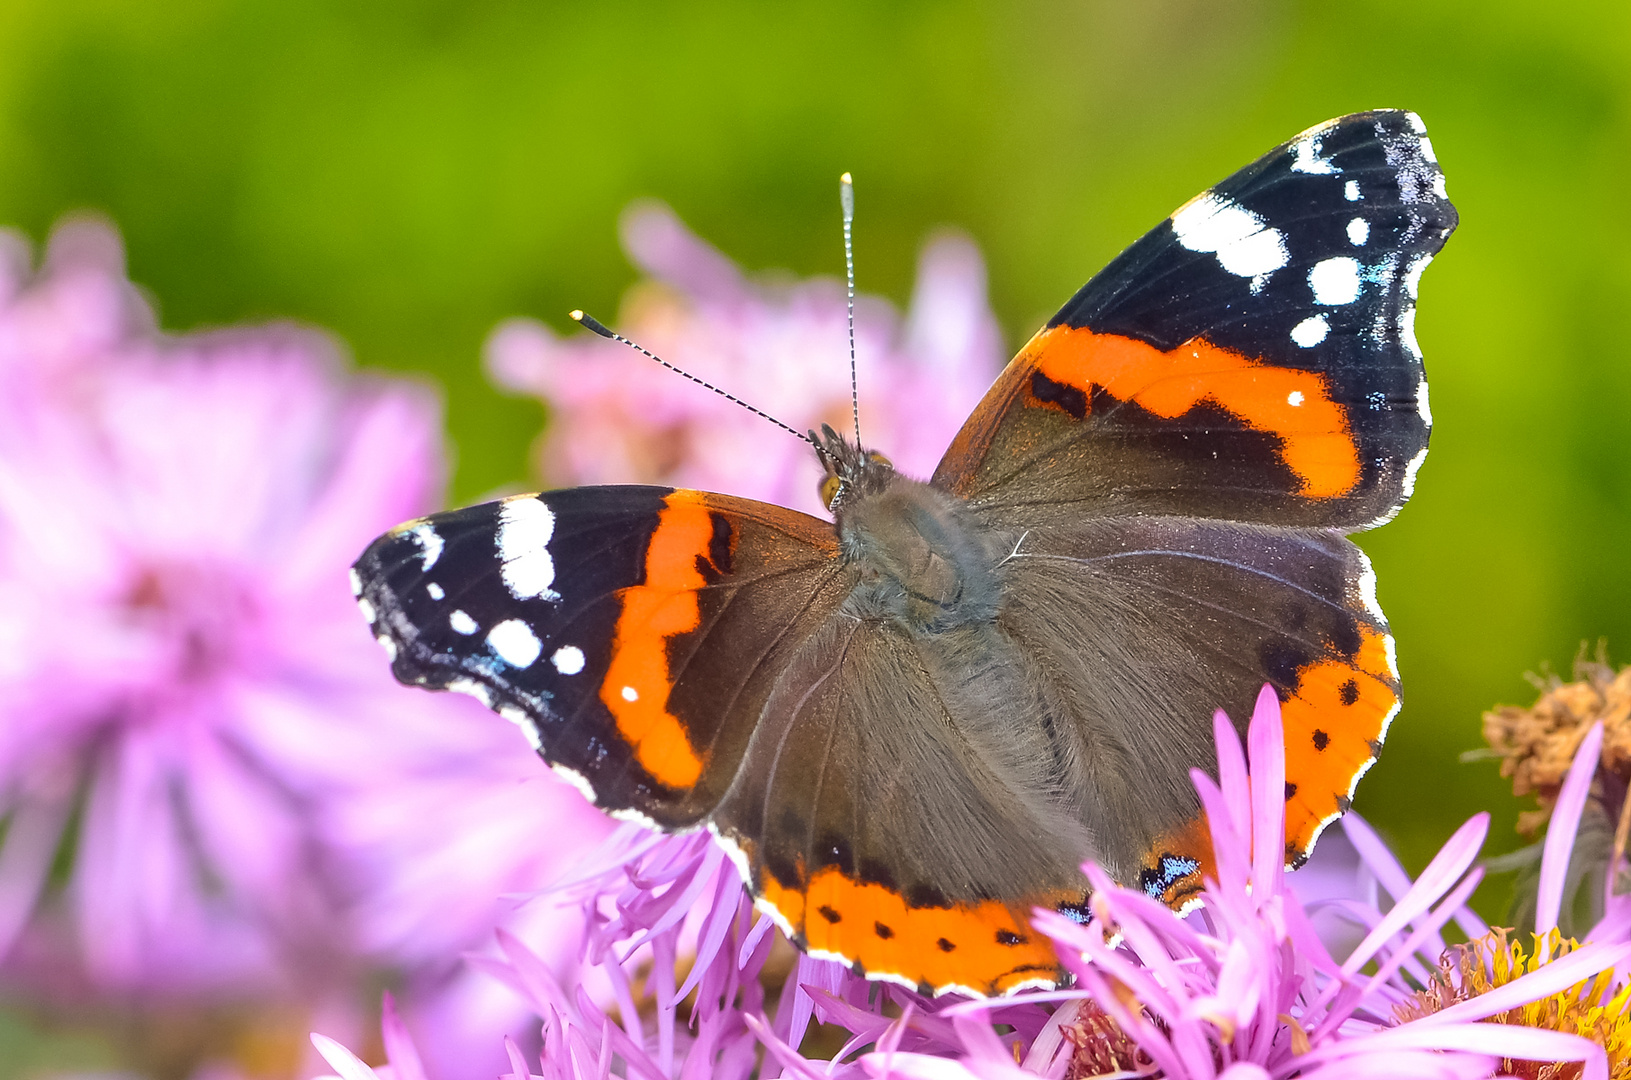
(1268, 772)
(1560, 834)
(348, 1065)
(1552, 977)
(1446, 868)
(399, 1048)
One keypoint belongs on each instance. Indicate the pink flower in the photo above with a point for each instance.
(779, 345)
(1246, 989)
(1243, 990)
(188, 700)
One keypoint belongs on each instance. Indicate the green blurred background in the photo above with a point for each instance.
(408, 173)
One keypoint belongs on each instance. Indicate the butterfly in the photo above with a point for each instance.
(911, 724)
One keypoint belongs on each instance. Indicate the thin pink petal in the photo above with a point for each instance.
(348, 1065)
(1560, 834)
(1267, 743)
(1446, 868)
(1550, 978)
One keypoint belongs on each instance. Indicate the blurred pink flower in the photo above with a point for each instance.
(780, 345)
(189, 705)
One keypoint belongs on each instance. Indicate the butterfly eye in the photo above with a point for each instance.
(829, 490)
(878, 459)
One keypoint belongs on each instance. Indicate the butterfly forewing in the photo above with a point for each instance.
(596, 618)
(1252, 358)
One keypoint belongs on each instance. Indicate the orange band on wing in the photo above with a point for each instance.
(638, 681)
(978, 946)
(1289, 403)
(1334, 721)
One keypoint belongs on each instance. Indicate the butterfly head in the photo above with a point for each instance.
(850, 470)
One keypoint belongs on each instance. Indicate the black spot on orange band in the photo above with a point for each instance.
(980, 945)
(1335, 713)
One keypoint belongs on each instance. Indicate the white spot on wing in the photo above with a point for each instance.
(388, 643)
(430, 545)
(367, 609)
(525, 526)
(1335, 281)
(1422, 408)
(462, 623)
(436, 592)
(1390, 652)
(1427, 150)
(1311, 331)
(515, 643)
(1358, 232)
(1410, 158)
(630, 694)
(568, 659)
(1241, 240)
(1415, 123)
(1308, 160)
(1295, 398)
(356, 581)
(1350, 191)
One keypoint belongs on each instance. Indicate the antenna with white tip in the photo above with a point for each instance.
(846, 199)
(591, 323)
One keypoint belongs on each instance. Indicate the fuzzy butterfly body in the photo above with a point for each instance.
(912, 723)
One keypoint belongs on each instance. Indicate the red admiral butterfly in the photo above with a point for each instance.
(912, 723)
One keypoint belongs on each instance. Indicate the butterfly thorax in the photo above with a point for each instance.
(918, 559)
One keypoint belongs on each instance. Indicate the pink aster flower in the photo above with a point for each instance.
(188, 702)
(780, 345)
(1244, 989)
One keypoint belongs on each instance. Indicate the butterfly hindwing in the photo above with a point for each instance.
(1152, 624)
(1252, 358)
(592, 617)
(893, 815)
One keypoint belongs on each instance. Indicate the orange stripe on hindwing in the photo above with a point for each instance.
(1334, 722)
(661, 608)
(980, 946)
(1294, 405)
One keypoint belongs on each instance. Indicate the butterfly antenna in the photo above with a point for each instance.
(846, 198)
(591, 323)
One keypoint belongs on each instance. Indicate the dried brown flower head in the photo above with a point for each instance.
(1537, 744)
